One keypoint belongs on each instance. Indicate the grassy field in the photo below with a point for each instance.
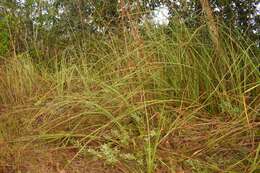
(172, 105)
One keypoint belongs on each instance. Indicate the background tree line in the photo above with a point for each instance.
(30, 24)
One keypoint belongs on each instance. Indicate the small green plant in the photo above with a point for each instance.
(227, 107)
(110, 155)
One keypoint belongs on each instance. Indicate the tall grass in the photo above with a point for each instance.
(172, 110)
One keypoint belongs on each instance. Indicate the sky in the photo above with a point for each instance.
(258, 8)
(161, 15)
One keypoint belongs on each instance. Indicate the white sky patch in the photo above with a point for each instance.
(21, 1)
(161, 15)
(258, 8)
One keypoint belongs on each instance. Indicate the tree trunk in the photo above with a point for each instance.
(134, 29)
(123, 13)
(213, 29)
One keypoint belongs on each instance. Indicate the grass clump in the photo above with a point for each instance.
(172, 110)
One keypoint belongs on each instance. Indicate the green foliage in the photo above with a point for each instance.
(227, 107)
(58, 22)
(4, 36)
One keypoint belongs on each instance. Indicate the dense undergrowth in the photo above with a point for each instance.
(104, 107)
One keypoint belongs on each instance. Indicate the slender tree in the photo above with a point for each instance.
(213, 28)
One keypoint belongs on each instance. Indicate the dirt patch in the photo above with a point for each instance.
(16, 159)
